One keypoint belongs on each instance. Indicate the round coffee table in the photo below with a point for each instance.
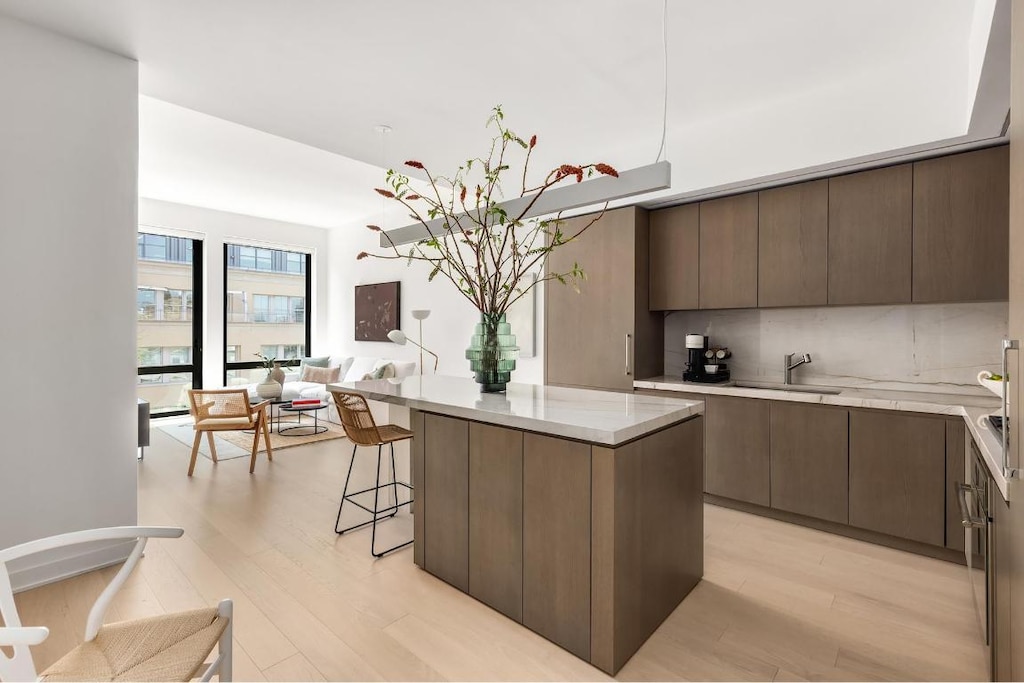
(316, 427)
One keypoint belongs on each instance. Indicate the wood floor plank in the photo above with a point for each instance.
(295, 668)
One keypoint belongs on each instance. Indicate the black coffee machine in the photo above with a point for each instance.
(703, 365)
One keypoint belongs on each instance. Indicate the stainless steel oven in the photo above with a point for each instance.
(975, 509)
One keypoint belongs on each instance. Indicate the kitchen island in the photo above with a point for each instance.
(577, 513)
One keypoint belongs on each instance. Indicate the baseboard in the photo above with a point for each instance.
(96, 556)
(916, 547)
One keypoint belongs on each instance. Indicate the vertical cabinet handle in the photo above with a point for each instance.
(1008, 472)
(629, 355)
(966, 518)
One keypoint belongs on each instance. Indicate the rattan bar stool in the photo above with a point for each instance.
(362, 430)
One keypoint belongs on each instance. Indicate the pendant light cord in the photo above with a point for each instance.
(664, 110)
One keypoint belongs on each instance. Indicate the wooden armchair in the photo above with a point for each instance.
(168, 647)
(217, 410)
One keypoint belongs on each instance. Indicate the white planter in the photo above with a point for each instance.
(268, 388)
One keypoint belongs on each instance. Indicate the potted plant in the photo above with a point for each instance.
(271, 386)
(483, 250)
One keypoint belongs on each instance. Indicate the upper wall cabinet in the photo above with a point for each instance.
(961, 226)
(792, 252)
(870, 236)
(675, 246)
(728, 252)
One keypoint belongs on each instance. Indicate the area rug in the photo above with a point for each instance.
(232, 445)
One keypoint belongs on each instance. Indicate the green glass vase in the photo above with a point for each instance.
(492, 352)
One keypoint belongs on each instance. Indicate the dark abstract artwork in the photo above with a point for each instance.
(377, 310)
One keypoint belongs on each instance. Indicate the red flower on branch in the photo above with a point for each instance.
(375, 228)
(384, 193)
(412, 197)
(362, 255)
(605, 169)
(533, 142)
(414, 164)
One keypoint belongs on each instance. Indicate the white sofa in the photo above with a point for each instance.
(353, 369)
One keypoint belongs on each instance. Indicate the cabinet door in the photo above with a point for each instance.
(728, 252)
(446, 499)
(674, 258)
(1001, 583)
(956, 449)
(869, 236)
(962, 226)
(590, 334)
(897, 475)
(810, 460)
(496, 518)
(736, 463)
(556, 541)
(792, 251)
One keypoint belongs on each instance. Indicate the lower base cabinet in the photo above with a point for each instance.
(810, 460)
(898, 475)
(736, 461)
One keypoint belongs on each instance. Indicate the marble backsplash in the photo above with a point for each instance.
(922, 347)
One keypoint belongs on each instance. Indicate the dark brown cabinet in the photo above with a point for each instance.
(736, 458)
(956, 453)
(810, 460)
(675, 258)
(792, 252)
(446, 483)
(962, 226)
(897, 474)
(728, 252)
(556, 541)
(604, 335)
(496, 518)
(870, 236)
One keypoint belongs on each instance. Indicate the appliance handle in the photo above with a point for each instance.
(966, 518)
(629, 355)
(1008, 472)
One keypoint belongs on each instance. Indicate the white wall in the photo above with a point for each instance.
(68, 159)
(217, 227)
(446, 332)
(923, 347)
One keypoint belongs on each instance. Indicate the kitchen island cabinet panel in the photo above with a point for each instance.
(556, 541)
(728, 252)
(962, 226)
(736, 463)
(446, 496)
(870, 235)
(792, 251)
(675, 258)
(810, 460)
(496, 518)
(897, 475)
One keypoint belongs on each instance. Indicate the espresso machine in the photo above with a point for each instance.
(703, 364)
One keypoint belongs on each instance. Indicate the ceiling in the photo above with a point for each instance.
(266, 97)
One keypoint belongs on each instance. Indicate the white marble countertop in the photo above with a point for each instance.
(601, 417)
(973, 409)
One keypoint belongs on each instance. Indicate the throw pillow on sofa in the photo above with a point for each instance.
(385, 371)
(318, 361)
(318, 375)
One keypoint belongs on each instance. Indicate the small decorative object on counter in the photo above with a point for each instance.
(491, 253)
(705, 363)
(993, 383)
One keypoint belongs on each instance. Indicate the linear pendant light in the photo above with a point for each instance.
(656, 176)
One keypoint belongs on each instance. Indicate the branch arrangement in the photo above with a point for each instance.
(482, 250)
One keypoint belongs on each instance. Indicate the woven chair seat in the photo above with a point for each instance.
(389, 433)
(224, 423)
(169, 647)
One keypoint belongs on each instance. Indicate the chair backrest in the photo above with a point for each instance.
(356, 419)
(206, 403)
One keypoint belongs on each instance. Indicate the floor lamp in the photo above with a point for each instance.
(400, 338)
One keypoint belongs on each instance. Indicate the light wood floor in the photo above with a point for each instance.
(778, 602)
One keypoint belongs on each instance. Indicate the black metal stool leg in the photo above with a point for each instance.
(394, 478)
(344, 491)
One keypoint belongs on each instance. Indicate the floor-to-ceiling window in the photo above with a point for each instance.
(266, 309)
(169, 305)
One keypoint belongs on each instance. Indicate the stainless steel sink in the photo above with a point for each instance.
(798, 388)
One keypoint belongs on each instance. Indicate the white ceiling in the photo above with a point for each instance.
(756, 88)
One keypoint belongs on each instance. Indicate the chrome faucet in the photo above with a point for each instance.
(789, 365)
